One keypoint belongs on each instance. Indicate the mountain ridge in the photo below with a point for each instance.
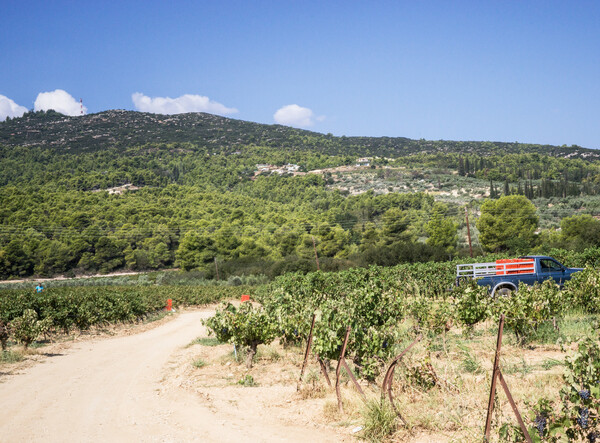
(122, 128)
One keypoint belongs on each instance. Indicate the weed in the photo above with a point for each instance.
(549, 363)
(11, 357)
(379, 420)
(546, 333)
(330, 410)
(269, 353)
(199, 363)
(522, 367)
(470, 363)
(205, 341)
(312, 387)
(247, 381)
(421, 375)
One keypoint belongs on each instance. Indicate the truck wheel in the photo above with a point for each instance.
(504, 291)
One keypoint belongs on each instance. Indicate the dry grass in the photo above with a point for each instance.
(441, 387)
(454, 409)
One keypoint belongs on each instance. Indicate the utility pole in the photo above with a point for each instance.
(316, 256)
(468, 232)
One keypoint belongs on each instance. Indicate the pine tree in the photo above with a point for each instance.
(492, 190)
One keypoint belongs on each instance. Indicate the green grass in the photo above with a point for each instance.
(549, 363)
(576, 325)
(469, 363)
(547, 334)
(518, 368)
(199, 363)
(11, 357)
(379, 420)
(247, 381)
(205, 341)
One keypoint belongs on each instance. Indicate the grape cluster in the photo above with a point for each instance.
(593, 437)
(540, 423)
(584, 394)
(583, 420)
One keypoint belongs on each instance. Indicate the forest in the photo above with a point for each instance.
(199, 202)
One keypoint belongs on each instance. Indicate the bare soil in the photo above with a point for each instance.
(141, 385)
(163, 381)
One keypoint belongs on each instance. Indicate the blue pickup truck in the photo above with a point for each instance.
(504, 276)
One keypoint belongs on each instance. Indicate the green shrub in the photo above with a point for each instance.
(584, 290)
(11, 357)
(28, 328)
(472, 303)
(246, 326)
(199, 363)
(529, 307)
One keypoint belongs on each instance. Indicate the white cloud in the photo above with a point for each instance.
(59, 100)
(294, 115)
(179, 105)
(9, 108)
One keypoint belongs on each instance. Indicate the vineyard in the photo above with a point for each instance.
(63, 309)
(368, 316)
(372, 314)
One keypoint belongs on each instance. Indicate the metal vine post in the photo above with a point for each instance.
(308, 345)
(389, 377)
(497, 374)
(338, 370)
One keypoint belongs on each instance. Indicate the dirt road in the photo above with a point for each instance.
(117, 389)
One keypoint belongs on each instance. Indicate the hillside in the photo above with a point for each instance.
(118, 128)
(122, 190)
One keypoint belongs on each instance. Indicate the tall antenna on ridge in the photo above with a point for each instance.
(81, 103)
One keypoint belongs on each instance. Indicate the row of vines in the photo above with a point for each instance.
(386, 308)
(374, 301)
(25, 314)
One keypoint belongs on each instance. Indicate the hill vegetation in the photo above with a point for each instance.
(128, 190)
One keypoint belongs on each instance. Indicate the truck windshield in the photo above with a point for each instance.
(550, 266)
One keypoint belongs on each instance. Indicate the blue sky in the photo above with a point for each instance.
(526, 71)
